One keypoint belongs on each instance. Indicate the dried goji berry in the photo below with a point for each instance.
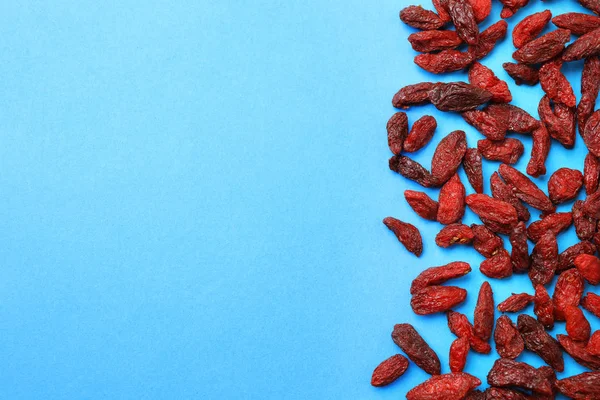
(458, 96)
(440, 7)
(591, 302)
(488, 39)
(458, 354)
(555, 84)
(415, 347)
(585, 226)
(591, 133)
(461, 13)
(567, 292)
(454, 234)
(484, 78)
(579, 353)
(481, 9)
(494, 393)
(543, 307)
(590, 84)
(407, 234)
(566, 258)
(473, 168)
(577, 23)
(550, 374)
(420, 18)
(483, 318)
(444, 61)
(578, 327)
(593, 345)
(544, 259)
(582, 386)
(555, 223)
(420, 133)
(511, 7)
(499, 266)
(589, 267)
(515, 302)
(448, 156)
(591, 173)
(509, 373)
(529, 27)
(459, 325)
(537, 340)
(486, 242)
(592, 5)
(504, 192)
(525, 189)
(515, 118)
(522, 73)
(520, 251)
(559, 122)
(539, 152)
(451, 201)
(585, 46)
(476, 395)
(434, 299)
(422, 204)
(415, 94)
(454, 386)
(544, 48)
(485, 123)
(397, 130)
(509, 343)
(412, 170)
(389, 370)
(508, 150)
(428, 41)
(438, 275)
(493, 210)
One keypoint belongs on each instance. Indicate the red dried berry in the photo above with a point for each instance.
(483, 319)
(590, 84)
(412, 170)
(525, 189)
(509, 373)
(440, 7)
(538, 341)
(488, 39)
(407, 234)
(481, 9)
(422, 204)
(492, 210)
(458, 354)
(476, 395)
(582, 386)
(486, 242)
(448, 156)
(591, 173)
(544, 259)
(591, 302)
(415, 347)
(420, 18)
(511, 7)
(438, 275)
(507, 151)
(544, 48)
(555, 84)
(451, 201)
(454, 386)
(459, 325)
(494, 393)
(585, 46)
(389, 370)
(473, 168)
(489, 126)
(593, 5)
(458, 96)
(566, 259)
(415, 94)
(461, 13)
(591, 134)
(593, 346)
(454, 234)
(579, 353)
(504, 192)
(567, 292)
(420, 134)
(589, 267)
(520, 251)
(434, 299)
(564, 185)
(554, 223)
(578, 23)
(559, 122)
(444, 61)
(397, 130)
(539, 152)
(498, 266)
(585, 226)
(522, 73)
(543, 307)
(509, 343)
(531, 26)
(578, 327)
(515, 302)
(428, 41)
(514, 118)
(484, 78)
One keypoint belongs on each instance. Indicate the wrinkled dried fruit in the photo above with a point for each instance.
(498, 266)
(486, 242)
(448, 156)
(459, 325)
(591, 205)
(483, 322)
(509, 373)
(555, 223)
(462, 16)
(515, 302)
(590, 84)
(458, 96)
(543, 307)
(555, 84)
(397, 130)
(514, 118)
(428, 41)
(444, 61)
(476, 395)
(420, 134)
(550, 374)
(473, 168)
(415, 94)
(458, 354)
(539, 152)
(593, 5)
(454, 234)
(415, 347)
(582, 386)
(591, 302)
(585, 226)
(525, 189)
(593, 346)
(579, 353)
(412, 170)
(451, 201)
(438, 275)
(578, 23)
(589, 267)
(509, 343)
(520, 251)
(440, 7)
(559, 122)
(481, 9)
(578, 327)
(486, 124)
(494, 393)
(591, 133)
(488, 39)
(507, 151)
(591, 173)
(501, 214)
(522, 73)
(585, 46)
(564, 185)
(544, 48)
(504, 192)
(544, 259)
(531, 26)
(540, 342)
(422, 204)
(567, 292)
(566, 259)
(454, 386)
(389, 370)
(434, 299)
(511, 7)
(484, 78)
(407, 234)
(420, 18)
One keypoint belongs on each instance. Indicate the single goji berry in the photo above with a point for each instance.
(522, 73)
(509, 343)
(579, 353)
(459, 325)
(488, 39)
(555, 84)
(420, 18)
(499, 266)
(591, 133)
(544, 259)
(415, 347)
(540, 342)
(585, 226)
(451, 201)
(515, 302)
(397, 130)
(407, 234)
(590, 84)
(434, 299)
(583, 386)
(514, 118)
(461, 13)
(481, 9)
(454, 234)
(428, 41)
(543, 307)
(555, 223)
(508, 150)
(389, 370)
(473, 168)
(448, 156)
(453, 386)
(485, 123)
(578, 23)
(511, 7)
(422, 204)
(593, 346)
(458, 96)
(493, 210)
(591, 173)
(591, 302)
(550, 374)
(529, 27)
(525, 189)
(458, 354)
(415, 94)
(440, 8)
(559, 122)
(519, 251)
(438, 275)
(544, 48)
(566, 258)
(412, 170)
(588, 266)
(567, 292)
(578, 328)
(444, 61)
(483, 318)
(539, 152)
(504, 192)
(585, 46)
(486, 242)
(484, 78)
(510, 373)
(420, 134)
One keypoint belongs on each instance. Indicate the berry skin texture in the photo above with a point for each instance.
(585, 46)
(453, 386)
(507, 151)
(473, 168)
(493, 210)
(448, 156)
(591, 173)
(458, 96)
(556, 85)
(419, 18)
(509, 343)
(525, 189)
(444, 61)
(543, 48)
(420, 134)
(454, 234)
(463, 18)
(483, 320)
(415, 347)
(579, 353)
(544, 259)
(422, 204)
(438, 275)
(498, 266)
(434, 299)
(593, 346)
(543, 307)
(559, 122)
(591, 134)
(458, 354)
(484, 78)
(428, 41)
(509, 373)
(590, 84)
(531, 26)
(397, 130)
(451, 201)
(412, 170)
(582, 386)
(589, 267)
(486, 242)
(539, 152)
(389, 370)
(410, 95)
(567, 292)
(486, 124)
(522, 73)
(488, 39)
(591, 302)
(555, 223)
(504, 192)
(515, 302)
(585, 226)
(514, 118)
(540, 342)
(578, 23)
(481, 9)
(520, 252)
(564, 185)
(578, 327)
(407, 234)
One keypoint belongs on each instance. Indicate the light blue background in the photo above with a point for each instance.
(192, 195)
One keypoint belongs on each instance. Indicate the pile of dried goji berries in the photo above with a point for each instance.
(483, 102)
